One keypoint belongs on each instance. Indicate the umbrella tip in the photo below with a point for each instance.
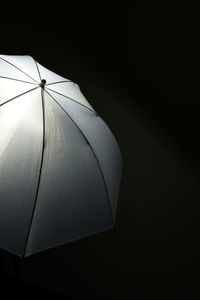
(42, 83)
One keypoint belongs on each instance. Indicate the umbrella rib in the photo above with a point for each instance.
(38, 69)
(73, 100)
(95, 156)
(4, 77)
(93, 111)
(18, 68)
(40, 172)
(18, 96)
(58, 82)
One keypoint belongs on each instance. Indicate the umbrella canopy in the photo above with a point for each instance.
(60, 165)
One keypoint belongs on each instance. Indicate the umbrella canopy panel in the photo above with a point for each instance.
(20, 158)
(60, 165)
(72, 200)
(101, 141)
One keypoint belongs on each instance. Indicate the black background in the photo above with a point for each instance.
(137, 65)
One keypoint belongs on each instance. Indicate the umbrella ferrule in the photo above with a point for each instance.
(42, 83)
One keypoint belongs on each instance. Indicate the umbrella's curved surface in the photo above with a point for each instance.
(60, 165)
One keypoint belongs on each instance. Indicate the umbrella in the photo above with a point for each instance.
(60, 165)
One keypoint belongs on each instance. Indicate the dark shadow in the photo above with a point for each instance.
(15, 290)
(11, 285)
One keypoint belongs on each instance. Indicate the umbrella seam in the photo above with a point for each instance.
(59, 82)
(112, 217)
(92, 111)
(4, 77)
(74, 101)
(18, 68)
(40, 173)
(37, 69)
(18, 96)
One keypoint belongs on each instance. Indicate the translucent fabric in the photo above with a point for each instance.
(10, 71)
(10, 88)
(21, 133)
(60, 165)
(72, 200)
(25, 63)
(71, 90)
(48, 75)
(102, 142)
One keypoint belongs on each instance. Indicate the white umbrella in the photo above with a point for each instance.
(60, 165)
